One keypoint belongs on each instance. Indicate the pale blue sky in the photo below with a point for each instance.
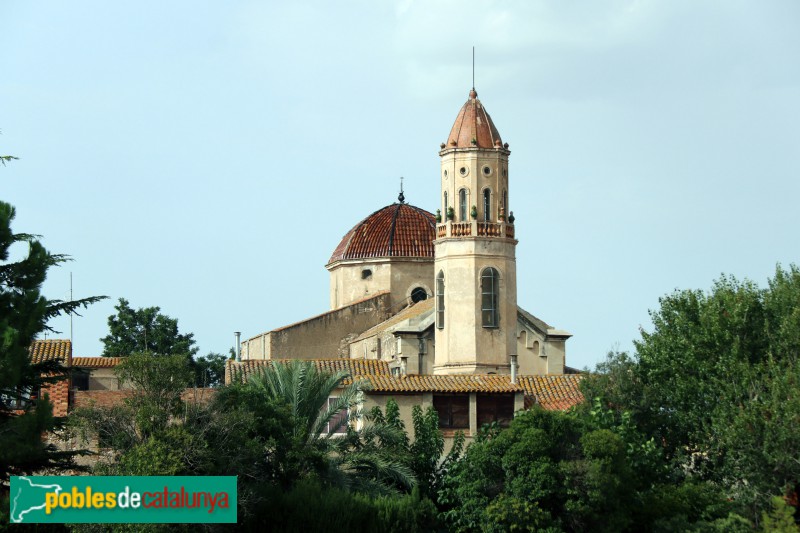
(206, 157)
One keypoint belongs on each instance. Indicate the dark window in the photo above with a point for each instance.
(440, 300)
(489, 289)
(366, 273)
(505, 203)
(453, 411)
(487, 205)
(80, 379)
(419, 294)
(445, 205)
(495, 408)
(339, 419)
(462, 205)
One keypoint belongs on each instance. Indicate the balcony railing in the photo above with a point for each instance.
(480, 229)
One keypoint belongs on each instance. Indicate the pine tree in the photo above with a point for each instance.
(24, 313)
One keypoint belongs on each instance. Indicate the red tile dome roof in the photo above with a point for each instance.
(473, 123)
(397, 230)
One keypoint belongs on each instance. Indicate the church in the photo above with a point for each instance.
(423, 306)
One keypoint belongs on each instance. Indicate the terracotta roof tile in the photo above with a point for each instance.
(552, 392)
(355, 367)
(455, 383)
(397, 230)
(51, 350)
(96, 362)
(473, 123)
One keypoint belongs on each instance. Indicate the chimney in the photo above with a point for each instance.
(513, 369)
(238, 336)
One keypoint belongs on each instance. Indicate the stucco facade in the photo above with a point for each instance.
(325, 335)
(355, 279)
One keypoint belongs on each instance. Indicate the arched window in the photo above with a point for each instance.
(440, 300)
(505, 203)
(445, 205)
(489, 290)
(487, 205)
(462, 205)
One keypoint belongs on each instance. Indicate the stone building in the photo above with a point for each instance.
(430, 301)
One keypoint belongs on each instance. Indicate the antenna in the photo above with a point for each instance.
(473, 68)
(401, 197)
(70, 313)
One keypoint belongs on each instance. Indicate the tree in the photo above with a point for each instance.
(24, 313)
(209, 370)
(144, 330)
(319, 403)
(553, 471)
(715, 385)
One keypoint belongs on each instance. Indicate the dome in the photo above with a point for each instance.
(397, 230)
(473, 123)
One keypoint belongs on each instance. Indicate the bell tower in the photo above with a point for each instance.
(475, 266)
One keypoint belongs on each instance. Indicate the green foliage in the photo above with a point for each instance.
(24, 314)
(309, 506)
(209, 370)
(780, 519)
(552, 471)
(171, 452)
(149, 430)
(158, 383)
(714, 386)
(359, 460)
(144, 330)
(427, 450)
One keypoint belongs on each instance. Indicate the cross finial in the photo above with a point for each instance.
(473, 68)
(401, 197)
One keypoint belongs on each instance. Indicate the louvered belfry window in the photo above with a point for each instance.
(440, 300)
(490, 279)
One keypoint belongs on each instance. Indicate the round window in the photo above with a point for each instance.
(418, 294)
(463, 171)
(487, 171)
(445, 174)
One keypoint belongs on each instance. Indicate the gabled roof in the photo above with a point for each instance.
(96, 362)
(552, 392)
(455, 383)
(540, 325)
(354, 367)
(410, 313)
(51, 350)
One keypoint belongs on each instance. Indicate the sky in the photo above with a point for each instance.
(207, 157)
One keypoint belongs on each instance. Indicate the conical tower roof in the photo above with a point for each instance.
(473, 127)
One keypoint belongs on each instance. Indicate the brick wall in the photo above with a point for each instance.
(59, 396)
(109, 398)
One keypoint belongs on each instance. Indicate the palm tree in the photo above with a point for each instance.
(358, 460)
